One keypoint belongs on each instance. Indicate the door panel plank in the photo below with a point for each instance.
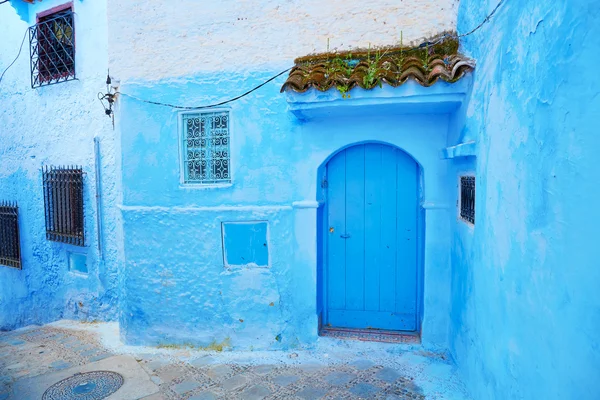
(360, 319)
(406, 277)
(387, 277)
(355, 228)
(373, 185)
(336, 255)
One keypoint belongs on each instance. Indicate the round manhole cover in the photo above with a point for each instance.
(86, 386)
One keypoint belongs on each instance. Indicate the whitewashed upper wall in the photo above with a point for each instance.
(56, 125)
(155, 39)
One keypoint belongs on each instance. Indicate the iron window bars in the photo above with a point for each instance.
(52, 49)
(205, 151)
(467, 198)
(10, 246)
(63, 204)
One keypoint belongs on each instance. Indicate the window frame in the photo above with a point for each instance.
(39, 19)
(182, 149)
(64, 217)
(11, 213)
(459, 204)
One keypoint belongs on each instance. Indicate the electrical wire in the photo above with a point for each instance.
(490, 15)
(16, 58)
(5, 1)
(210, 105)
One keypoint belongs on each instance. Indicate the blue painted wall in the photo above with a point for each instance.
(56, 125)
(175, 287)
(525, 299)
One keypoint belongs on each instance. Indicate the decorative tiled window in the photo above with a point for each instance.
(63, 204)
(10, 247)
(467, 198)
(205, 148)
(52, 49)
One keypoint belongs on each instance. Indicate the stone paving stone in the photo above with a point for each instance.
(60, 364)
(155, 396)
(156, 364)
(311, 367)
(263, 369)
(202, 361)
(364, 390)
(208, 395)
(16, 342)
(167, 374)
(185, 386)
(235, 382)
(362, 364)
(88, 353)
(339, 378)
(219, 372)
(388, 375)
(309, 393)
(256, 392)
(79, 347)
(284, 380)
(4, 395)
(100, 356)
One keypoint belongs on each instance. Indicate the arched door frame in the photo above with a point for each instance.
(322, 229)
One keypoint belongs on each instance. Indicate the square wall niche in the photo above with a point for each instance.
(78, 263)
(245, 244)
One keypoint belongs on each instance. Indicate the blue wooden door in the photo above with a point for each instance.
(371, 277)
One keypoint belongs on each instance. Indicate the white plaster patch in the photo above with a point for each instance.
(157, 39)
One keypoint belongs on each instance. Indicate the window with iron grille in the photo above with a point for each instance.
(205, 148)
(10, 246)
(63, 203)
(52, 49)
(467, 198)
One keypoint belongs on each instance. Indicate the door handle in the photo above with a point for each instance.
(345, 236)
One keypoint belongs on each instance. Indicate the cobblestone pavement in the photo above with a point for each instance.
(335, 369)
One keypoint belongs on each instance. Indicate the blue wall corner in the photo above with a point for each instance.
(525, 303)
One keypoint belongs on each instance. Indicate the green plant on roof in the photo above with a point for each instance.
(343, 89)
(426, 58)
(400, 57)
(372, 78)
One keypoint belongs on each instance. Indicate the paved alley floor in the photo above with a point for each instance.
(33, 359)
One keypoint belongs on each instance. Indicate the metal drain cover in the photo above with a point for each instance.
(94, 385)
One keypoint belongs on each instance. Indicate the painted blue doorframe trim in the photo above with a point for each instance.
(421, 223)
(322, 220)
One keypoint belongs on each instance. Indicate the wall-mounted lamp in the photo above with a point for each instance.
(110, 97)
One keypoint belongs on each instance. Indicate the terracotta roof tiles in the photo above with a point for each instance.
(389, 66)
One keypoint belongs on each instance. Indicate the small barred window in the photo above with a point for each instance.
(467, 198)
(63, 204)
(205, 149)
(10, 247)
(52, 49)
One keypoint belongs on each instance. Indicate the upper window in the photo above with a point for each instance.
(52, 49)
(467, 198)
(63, 204)
(205, 148)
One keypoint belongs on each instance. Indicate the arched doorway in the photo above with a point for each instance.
(371, 221)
